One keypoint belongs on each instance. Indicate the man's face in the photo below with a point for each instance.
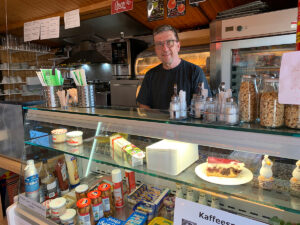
(166, 47)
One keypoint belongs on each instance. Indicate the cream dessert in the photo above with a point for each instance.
(219, 167)
(59, 135)
(295, 180)
(265, 178)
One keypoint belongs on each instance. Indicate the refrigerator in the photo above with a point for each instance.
(250, 45)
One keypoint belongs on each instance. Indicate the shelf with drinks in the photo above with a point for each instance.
(100, 151)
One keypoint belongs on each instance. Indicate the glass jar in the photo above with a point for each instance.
(271, 112)
(292, 116)
(231, 112)
(199, 106)
(260, 86)
(85, 213)
(210, 114)
(248, 99)
(107, 200)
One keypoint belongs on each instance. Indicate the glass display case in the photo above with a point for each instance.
(134, 140)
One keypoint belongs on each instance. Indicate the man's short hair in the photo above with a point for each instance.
(165, 27)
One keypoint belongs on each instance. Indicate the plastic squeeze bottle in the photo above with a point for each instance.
(31, 181)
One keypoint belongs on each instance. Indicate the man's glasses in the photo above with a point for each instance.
(169, 43)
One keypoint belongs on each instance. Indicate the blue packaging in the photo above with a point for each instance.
(110, 221)
(136, 218)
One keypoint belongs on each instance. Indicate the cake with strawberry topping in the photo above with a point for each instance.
(219, 167)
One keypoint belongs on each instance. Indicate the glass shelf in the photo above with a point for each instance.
(279, 198)
(161, 116)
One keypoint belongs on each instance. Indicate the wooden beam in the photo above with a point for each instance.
(89, 9)
(10, 164)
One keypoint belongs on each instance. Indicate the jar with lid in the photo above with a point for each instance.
(97, 206)
(248, 99)
(107, 200)
(210, 114)
(260, 86)
(85, 214)
(292, 116)
(81, 191)
(231, 112)
(271, 112)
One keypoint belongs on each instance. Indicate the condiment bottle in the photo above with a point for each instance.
(210, 114)
(105, 189)
(192, 106)
(61, 173)
(48, 181)
(231, 112)
(31, 181)
(72, 170)
(199, 103)
(97, 205)
(118, 188)
(85, 214)
(175, 105)
(221, 102)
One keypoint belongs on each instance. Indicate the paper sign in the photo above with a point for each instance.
(32, 30)
(191, 213)
(289, 78)
(118, 6)
(33, 205)
(72, 19)
(50, 28)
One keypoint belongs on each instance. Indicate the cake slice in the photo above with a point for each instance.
(219, 167)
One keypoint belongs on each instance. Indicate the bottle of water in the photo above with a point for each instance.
(31, 181)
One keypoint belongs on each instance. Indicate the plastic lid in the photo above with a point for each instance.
(272, 80)
(116, 175)
(74, 133)
(57, 203)
(68, 215)
(94, 194)
(81, 188)
(59, 131)
(104, 187)
(84, 202)
(30, 162)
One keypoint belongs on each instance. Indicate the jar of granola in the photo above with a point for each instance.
(271, 112)
(248, 99)
(107, 200)
(292, 116)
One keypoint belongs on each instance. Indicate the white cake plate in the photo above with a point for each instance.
(244, 177)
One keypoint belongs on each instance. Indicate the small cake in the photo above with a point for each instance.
(219, 167)
(295, 180)
(265, 178)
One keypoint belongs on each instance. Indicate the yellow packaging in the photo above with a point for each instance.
(160, 221)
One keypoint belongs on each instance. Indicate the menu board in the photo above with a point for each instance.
(176, 8)
(155, 10)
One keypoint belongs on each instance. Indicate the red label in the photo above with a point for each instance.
(118, 6)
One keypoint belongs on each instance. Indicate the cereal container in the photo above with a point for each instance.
(292, 116)
(85, 214)
(107, 200)
(271, 112)
(58, 208)
(248, 99)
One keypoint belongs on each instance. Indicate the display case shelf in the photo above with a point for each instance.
(278, 198)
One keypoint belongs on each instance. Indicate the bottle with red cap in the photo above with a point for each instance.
(85, 214)
(107, 200)
(97, 205)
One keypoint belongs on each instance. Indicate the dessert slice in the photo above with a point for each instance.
(219, 167)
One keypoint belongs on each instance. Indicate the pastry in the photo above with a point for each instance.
(295, 180)
(219, 167)
(265, 179)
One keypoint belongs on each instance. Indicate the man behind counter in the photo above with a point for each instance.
(158, 84)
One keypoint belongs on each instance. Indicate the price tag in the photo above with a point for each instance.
(33, 205)
(191, 213)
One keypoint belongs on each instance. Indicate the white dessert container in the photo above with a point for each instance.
(74, 138)
(68, 217)
(58, 208)
(59, 135)
(174, 156)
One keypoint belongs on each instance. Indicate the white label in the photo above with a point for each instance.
(64, 172)
(51, 185)
(187, 212)
(97, 211)
(84, 219)
(106, 204)
(33, 205)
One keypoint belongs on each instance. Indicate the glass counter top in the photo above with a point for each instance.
(162, 116)
(99, 152)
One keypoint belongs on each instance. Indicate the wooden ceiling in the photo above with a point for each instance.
(13, 13)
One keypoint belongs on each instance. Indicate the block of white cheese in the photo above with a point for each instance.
(171, 157)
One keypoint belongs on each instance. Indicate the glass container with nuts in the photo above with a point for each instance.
(248, 99)
(107, 200)
(271, 112)
(85, 213)
(292, 116)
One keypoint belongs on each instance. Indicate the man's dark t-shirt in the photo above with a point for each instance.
(158, 84)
